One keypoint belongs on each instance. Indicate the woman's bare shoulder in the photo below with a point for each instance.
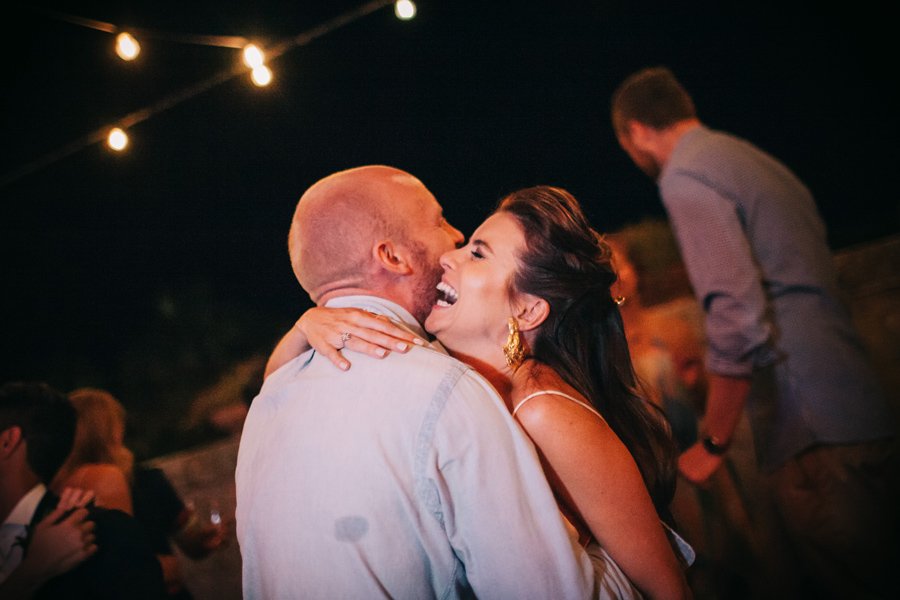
(535, 407)
(108, 483)
(97, 475)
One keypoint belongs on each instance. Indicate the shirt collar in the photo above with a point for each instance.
(683, 141)
(391, 310)
(22, 513)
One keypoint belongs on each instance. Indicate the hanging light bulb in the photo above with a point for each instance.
(253, 56)
(126, 46)
(261, 75)
(117, 139)
(404, 9)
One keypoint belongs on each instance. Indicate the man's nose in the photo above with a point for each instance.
(458, 238)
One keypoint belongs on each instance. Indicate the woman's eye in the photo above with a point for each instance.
(477, 255)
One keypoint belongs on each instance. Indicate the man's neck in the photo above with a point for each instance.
(490, 362)
(669, 137)
(12, 487)
(382, 304)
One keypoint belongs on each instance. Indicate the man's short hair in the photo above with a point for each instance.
(332, 240)
(47, 420)
(653, 97)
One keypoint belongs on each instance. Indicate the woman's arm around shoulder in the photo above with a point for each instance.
(331, 330)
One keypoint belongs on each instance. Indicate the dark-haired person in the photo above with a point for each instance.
(779, 339)
(37, 427)
(527, 303)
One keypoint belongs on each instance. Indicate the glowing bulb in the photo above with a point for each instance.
(253, 56)
(117, 139)
(404, 9)
(261, 75)
(127, 47)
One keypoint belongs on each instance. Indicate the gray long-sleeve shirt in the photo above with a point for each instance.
(756, 252)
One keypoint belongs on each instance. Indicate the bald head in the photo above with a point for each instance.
(342, 219)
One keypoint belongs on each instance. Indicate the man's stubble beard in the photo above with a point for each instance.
(425, 292)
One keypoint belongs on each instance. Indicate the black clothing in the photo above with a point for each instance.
(124, 565)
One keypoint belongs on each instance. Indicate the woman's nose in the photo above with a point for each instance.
(448, 260)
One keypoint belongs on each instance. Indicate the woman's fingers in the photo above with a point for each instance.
(72, 497)
(331, 330)
(378, 331)
(87, 534)
(53, 516)
(390, 332)
(333, 354)
(77, 519)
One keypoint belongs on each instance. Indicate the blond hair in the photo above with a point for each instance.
(98, 433)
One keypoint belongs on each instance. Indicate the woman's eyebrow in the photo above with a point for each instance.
(483, 244)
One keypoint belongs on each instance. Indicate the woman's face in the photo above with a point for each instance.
(474, 301)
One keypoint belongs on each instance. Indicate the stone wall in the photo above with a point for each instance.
(869, 279)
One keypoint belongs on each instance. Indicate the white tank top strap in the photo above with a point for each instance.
(557, 393)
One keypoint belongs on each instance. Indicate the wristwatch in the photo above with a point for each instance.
(714, 446)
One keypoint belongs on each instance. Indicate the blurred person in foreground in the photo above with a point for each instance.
(37, 427)
(657, 301)
(779, 341)
(101, 462)
(723, 520)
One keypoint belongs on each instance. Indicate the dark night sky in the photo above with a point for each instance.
(475, 98)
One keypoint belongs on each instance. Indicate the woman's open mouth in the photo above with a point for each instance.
(447, 296)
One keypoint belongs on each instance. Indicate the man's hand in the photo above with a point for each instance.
(697, 465)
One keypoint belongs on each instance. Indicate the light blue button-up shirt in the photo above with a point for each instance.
(756, 252)
(404, 477)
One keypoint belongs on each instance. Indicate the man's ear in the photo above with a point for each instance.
(531, 311)
(10, 438)
(391, 258)
(641, 135)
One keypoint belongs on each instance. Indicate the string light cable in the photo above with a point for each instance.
(253, 59)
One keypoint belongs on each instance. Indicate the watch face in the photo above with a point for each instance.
(713, 447)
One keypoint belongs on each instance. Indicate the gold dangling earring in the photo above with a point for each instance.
(514, 349)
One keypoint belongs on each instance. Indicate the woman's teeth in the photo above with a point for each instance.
(448, 295)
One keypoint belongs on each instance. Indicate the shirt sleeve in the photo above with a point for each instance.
(724, 274)
(492, 497)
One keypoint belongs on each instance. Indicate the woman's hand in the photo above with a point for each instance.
(330, 330)
(74, 498)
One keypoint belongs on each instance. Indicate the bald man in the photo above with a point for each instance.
(404, 477)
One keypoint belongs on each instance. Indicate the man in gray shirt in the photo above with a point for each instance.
(404, 477)
(779, 339)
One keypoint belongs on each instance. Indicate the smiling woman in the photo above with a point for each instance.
(476, 284)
